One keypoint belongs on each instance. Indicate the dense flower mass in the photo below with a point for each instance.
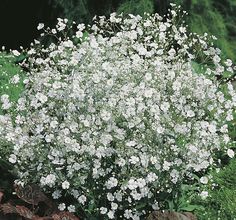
(117, 116)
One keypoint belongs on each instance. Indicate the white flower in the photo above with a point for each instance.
(182, 29)
(212, 128)
(114, 206)
(48, 180)
(111, 183)
(142, 51)
(15, 79)
(128, 214)
(25, 81)
(12, 158)
(56, 194)
(216, 59)
(131, 143)
(16, 53)
(228, 62)
(103, 210)
(65, 185)
(148, 76)
(62, 206)
(105, 115)
(40, 26)
(136, 217)
(94, 43)
(4, 98)
(153, 159)
(151, 177)
(165, 106)
(132, 184)
(49, 138)
(41, 97)
(110, 214)
(141, 182)
(166, 165)
(155, 206)
(6, 105)
(51, 178)
(118, 196)
(193, 148)
(230, 153)
(110, 197)
(79, 34)
(204, 180)
(204, 194)
(71, 208)
(190, 113)
(61, 25)
(134, 160)
(172, 52)
(81, 27)
(53, 124)
(82, 199)
(148, 93)
(121, 162)
(68, 44)
(162, 27)
(54, 31)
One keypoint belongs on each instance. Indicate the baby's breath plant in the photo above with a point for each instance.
(118, 120)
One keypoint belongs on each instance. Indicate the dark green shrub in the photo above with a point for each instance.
(136, 7)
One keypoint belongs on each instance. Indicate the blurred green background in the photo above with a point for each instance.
(216, 17)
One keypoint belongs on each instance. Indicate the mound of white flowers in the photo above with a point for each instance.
(116, 117)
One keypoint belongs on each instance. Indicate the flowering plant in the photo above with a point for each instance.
(116, 117)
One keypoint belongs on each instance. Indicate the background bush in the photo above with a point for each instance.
(214, 17)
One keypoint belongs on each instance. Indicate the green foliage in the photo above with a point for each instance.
(136, 7)
(85, 10)
(215, 18)
(184, 199)
(8, 69)
(200, 23)
(82, 11)
(222, 201)
(232, 128)
(73, 10)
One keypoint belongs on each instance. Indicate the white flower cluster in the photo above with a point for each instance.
(120, 117)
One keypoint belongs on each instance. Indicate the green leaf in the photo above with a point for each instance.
(170, 205)
(140, 206)
(191, 208)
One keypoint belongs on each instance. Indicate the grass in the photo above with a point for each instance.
(8, 69)
(221, 204)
